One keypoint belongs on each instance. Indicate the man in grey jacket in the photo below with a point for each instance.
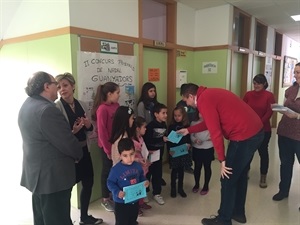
(50, 151)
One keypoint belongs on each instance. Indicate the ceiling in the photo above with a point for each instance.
(274, 13)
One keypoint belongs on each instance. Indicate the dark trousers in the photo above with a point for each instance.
(155, 174)
(234, 190)
(85, 174)
(52, 209)
(106, 166)
(264, 154)
(287, 150)
(126, 214)
(177, 173)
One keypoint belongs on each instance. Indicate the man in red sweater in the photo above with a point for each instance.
(227, 116)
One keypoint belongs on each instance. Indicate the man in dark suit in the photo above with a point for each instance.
(50, 151)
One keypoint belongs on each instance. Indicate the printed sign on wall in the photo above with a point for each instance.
(209, 67)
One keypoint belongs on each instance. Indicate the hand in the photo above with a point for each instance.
(165, 139)
(225, 171)
(108, 156)
(171, 153)
(77, 126)
(87, 123)
(291, 114)
(198, 141)
(146, 184)
(183, 131)
(121, 194)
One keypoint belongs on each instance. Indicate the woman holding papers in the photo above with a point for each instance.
(260, 101)
(289, 136)
(179, 159)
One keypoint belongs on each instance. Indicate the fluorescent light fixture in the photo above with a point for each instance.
(296, 17)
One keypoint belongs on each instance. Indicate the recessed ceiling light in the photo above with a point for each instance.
(296, 17)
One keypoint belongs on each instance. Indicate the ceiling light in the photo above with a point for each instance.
(296, 17)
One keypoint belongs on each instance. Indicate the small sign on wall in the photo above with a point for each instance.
(109, 47)
(153, 74)
(209, 67)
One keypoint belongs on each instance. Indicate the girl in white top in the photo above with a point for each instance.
(203, 154)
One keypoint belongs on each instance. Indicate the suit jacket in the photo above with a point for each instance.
(49, 147)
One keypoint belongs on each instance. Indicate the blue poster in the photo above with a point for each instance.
(174, 137)
(134, 192)
(179, 150)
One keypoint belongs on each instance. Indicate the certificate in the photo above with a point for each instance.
(144, 151)
(179, 150)
(155, 156)
(174, 137)
(134, 192)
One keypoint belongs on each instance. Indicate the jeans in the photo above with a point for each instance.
(106, 166)
(287, 150)
(234, 190)
(264, 154)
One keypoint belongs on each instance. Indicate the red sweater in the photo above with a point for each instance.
(260, 102)
(225, 115)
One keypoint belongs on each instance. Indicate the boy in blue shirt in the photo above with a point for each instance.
(125, 173)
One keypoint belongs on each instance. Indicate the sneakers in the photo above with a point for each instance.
(145, 206)
(239, 218)
(195, 189)
(263, 181)
(214, 220)
(203, 191)
(159, 199)
(279, 196)
(90, 220)
(108, 205)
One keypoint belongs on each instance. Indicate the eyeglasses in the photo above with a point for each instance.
(53, 82)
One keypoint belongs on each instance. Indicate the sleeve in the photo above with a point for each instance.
(87, 114)
(112, 183)
(141, 110)
(148, 136)
(197, 127)
(102, 119)
(268, 114)
(56, 129)
(115, 156)
(245, 99)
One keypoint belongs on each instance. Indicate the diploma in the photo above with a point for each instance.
(155, 156)
(179, 150)
(174, 137)
(134, 192)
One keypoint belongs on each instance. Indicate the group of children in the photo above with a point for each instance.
(125, 137)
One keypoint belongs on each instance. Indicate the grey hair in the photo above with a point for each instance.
(35, 84)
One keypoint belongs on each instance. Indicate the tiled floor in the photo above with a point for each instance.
(260, 208)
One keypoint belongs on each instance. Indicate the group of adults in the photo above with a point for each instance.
(55, 154)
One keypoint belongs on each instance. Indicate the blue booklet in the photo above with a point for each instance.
(174, 137)
(179, 150)
(134, 192)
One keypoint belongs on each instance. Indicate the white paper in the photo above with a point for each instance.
(144, 151)
(154, 156)
(281, 108)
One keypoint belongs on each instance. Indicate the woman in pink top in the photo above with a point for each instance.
(104, 108)
(260, 101)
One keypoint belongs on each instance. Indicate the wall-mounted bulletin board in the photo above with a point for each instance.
(288, 71)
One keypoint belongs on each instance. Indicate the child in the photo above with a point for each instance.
(139, 129)
(147, 101)
(178, 164)
(124, 173)
(104, 108)
(121, 128)
(203, 154)
(155, 138)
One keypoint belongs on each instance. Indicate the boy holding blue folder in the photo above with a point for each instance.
(126, 173)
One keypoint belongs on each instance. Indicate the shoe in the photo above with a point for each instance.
(90, 220)
(146, 199)
(140, 213)
(279, 196)
(263, 181)
(159, 199)
(182, 193)
(214, 220)
(189, 170)
(108, 206)
(145, 206)
(203, 192)
(163, 182)
(239, 218)
(195, 189)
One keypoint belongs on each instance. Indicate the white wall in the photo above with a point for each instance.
(112, 16)
(213, 26)
(185, 25)
(28, 17)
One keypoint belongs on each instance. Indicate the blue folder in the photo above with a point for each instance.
(134, 192)
(179, 150)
